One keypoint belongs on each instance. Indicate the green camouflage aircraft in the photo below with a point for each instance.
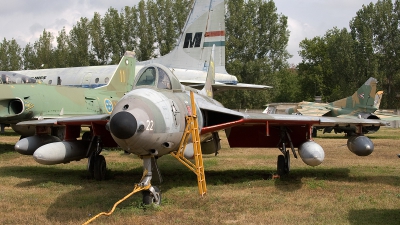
(364, 104)
(21, 102)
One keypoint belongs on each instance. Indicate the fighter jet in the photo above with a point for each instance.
(20, 102)
(155, 117)
(364, 103)
(204, 27)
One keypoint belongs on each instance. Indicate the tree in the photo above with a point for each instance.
(328, 66)
(99, 48)
(130, 21)
(146, 47)
(79, 43)
(256, 41)
(113, 34)
(44, 50)
(376, 30)
(10, 55)
(61, 53)
(30, 60)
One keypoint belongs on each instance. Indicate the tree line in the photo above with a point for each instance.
(333, 65)
(336, 64)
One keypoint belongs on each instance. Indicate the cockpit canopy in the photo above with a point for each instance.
(157, 75)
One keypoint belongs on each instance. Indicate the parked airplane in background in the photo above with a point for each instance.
(20, 102)
(364, 103)
(204, 28)
(152, 120)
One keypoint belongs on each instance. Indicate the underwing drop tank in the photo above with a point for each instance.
(61, 152)
(360, 145)
(311, 153)
(27, 146)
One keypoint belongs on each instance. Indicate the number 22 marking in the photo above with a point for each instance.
(150, 124)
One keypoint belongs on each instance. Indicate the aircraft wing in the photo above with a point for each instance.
(225, 87)
(258, 130)
(76, 120)
(387, 116)
(251, 119)
(312, 109)
(73, 125)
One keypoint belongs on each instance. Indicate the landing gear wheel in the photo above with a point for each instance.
(281, 165)
(148, 197)
(100, 167)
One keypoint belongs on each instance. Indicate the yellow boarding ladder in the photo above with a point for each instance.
(192, 128)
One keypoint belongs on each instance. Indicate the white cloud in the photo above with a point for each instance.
(310, 18)
(25, 20)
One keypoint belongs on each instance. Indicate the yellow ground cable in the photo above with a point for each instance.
(135, 190)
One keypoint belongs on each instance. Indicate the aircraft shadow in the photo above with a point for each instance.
(343, 137)
(374, 216)
(292, 181)
(6, 148)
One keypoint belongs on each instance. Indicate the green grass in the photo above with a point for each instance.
(345, 189)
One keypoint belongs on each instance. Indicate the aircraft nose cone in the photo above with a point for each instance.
(123, 125)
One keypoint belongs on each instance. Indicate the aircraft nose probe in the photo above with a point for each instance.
(123, 125)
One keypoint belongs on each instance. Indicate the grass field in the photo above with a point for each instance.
(344, 189)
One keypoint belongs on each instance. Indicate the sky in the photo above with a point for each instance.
(25, 20)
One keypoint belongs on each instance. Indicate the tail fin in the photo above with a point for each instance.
(210, 80)
(378, 98)
(204, 28)
(123, 77)
(364, 97)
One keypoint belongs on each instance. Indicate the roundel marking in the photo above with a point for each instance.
(108, 104)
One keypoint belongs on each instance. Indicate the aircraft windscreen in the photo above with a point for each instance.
(148, 77)
(15, 78)
(163, 80)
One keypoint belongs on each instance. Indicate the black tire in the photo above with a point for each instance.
(100, 168)
(149, 199)
(280, 167)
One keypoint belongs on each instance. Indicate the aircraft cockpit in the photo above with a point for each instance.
(157, 75)
(15, 78)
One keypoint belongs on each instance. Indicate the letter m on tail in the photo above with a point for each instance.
(192, 42)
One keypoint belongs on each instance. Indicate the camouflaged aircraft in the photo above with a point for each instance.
(159, 116)
(364, 103)
(20, 102)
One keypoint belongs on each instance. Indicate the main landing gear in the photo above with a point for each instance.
(97, 165)
(283, 163)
